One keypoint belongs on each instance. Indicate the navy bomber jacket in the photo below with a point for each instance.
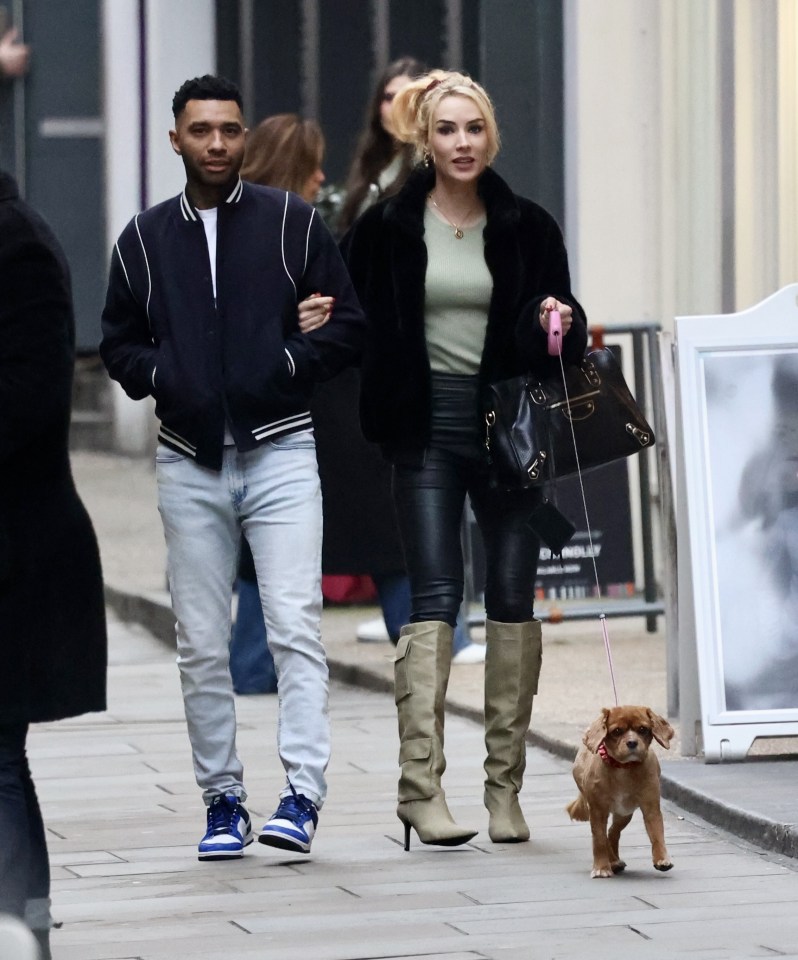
(240, 359)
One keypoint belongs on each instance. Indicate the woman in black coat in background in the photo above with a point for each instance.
(458, 277)
(360, 534)
(52, 613)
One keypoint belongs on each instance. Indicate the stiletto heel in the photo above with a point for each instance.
(433, 823)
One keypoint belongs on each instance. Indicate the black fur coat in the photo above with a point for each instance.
(387, 258)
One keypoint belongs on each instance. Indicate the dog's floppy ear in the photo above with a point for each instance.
(662, 730)
(596, 732)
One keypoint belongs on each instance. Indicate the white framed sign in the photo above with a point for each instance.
(738, 398)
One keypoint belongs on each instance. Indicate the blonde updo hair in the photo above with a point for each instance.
(414, 107)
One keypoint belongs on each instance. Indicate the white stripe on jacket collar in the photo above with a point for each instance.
(188, 210)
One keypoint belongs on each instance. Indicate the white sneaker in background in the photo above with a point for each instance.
(473, 653)
(372, 631)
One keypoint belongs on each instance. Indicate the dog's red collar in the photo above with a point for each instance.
(610, 761)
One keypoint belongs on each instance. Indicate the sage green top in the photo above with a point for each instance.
(457, 295)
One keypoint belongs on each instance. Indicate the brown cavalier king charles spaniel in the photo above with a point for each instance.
(616, 773)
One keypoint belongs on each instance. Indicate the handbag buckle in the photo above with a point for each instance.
(642, 436)
(490, 420)
(536, 394)
(591, 373)
(533, 471)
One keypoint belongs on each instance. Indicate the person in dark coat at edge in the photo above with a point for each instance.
(53, 637)
(360, 534)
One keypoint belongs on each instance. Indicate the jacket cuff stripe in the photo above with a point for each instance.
(166, 434)
(307, 422)
(287, 423)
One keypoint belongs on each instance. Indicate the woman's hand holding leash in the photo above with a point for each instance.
(551, 306)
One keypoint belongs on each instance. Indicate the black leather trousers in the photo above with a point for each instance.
(430, 502)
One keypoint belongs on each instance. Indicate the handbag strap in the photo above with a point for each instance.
(602, 615)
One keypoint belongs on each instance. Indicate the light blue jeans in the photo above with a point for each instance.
(273, 495)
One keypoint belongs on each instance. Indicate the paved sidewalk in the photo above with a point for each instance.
(124, 816)
(755, 800)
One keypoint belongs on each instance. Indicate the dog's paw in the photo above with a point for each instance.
(619, 866)
(600, 872)
(662, 865)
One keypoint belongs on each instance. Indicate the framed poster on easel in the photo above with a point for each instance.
(738, 522)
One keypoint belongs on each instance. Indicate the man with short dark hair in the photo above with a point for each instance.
(201, 313)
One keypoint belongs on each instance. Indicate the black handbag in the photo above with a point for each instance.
(529, 423)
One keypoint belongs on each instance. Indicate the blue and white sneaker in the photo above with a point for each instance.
(293, 824)
(229, 829)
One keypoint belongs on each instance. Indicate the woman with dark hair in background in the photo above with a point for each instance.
(381, 163)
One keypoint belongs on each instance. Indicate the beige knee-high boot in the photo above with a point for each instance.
(421, 673)
(512, 668)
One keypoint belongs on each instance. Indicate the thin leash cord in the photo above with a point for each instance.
(602, 615)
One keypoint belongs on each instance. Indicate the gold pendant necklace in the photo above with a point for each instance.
(458, 231)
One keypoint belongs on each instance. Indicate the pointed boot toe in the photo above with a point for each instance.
(433, 823)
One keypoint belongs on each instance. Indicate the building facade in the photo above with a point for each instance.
(661, 133)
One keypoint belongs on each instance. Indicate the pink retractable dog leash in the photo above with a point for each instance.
(555, 350)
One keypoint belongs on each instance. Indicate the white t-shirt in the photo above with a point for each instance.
(208, 218)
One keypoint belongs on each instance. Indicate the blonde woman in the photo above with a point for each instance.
(458, 277)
